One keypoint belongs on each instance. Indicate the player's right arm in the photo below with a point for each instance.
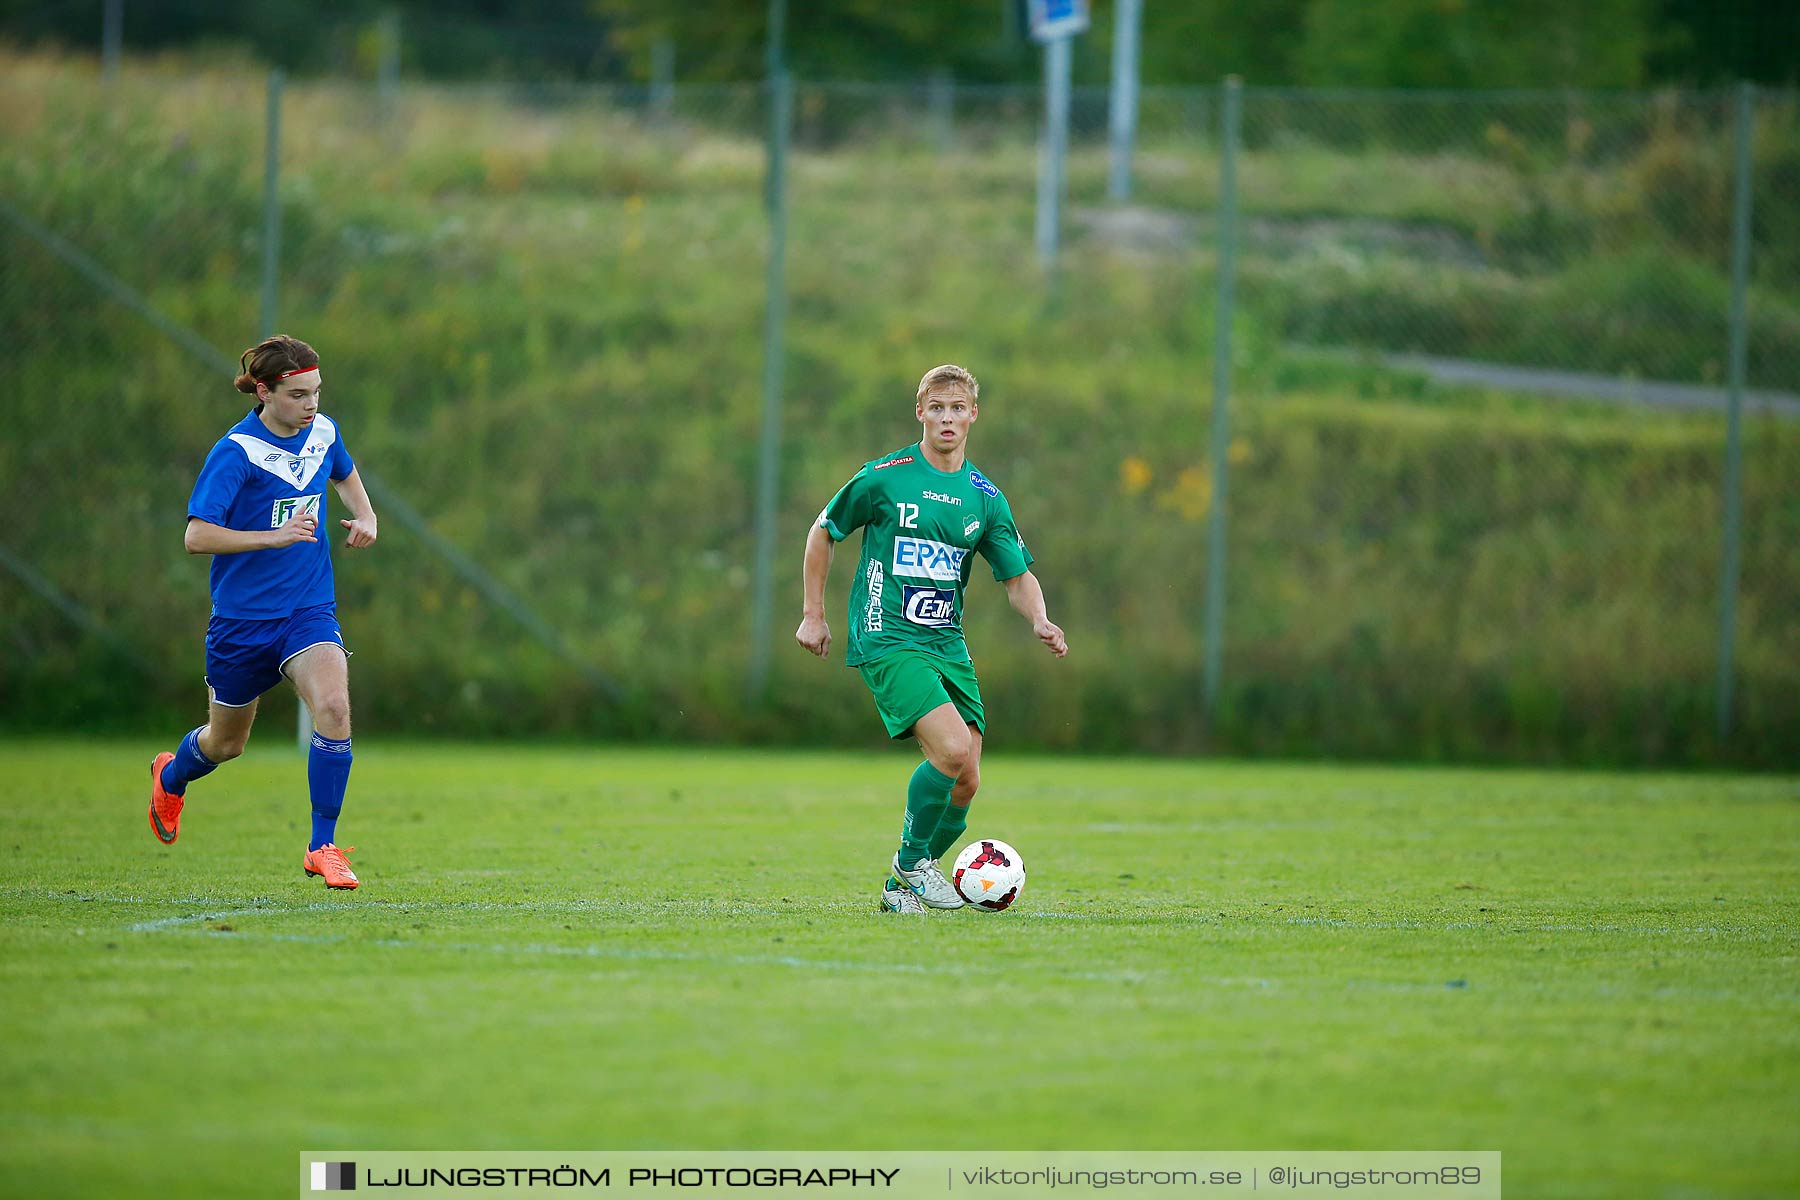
(849, 510)
(814, 633)
(209, 510)
(203, 537)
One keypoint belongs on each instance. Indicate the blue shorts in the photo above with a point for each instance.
(244, 659)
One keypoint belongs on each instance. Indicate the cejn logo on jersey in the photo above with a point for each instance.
(929, 606)
(925, 559)
(286, 510)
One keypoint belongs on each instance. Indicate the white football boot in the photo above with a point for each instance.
(928, 881)
(898, 898)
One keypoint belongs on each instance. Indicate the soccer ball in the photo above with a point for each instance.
(989, 875)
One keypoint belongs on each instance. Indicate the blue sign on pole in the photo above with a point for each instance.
(1053, 20)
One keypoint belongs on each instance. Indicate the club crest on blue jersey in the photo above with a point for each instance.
(980, 483)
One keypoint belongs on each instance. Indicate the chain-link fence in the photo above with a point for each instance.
(1477, 454)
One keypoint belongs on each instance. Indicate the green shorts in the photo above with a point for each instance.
(907, 684)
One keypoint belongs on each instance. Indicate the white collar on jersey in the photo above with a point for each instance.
(285, 465)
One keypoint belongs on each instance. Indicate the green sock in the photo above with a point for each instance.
(926, 798)
(950, 826)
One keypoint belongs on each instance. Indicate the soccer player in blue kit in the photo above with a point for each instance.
(257, 508)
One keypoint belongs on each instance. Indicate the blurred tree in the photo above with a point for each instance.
(1203, 41)
(1474, 43)
(1362, 43)
(826, 39)
(1717, 41)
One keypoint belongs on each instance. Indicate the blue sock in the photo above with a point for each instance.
(327, 774)
(187, 765)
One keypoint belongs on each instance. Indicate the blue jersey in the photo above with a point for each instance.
(255, 480)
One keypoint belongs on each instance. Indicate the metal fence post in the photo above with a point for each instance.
(1213, 634)
(112, 39)
(942, 91)
(387, 69)
(1122, 111)
(1734, 440)
(271, 267)
(271, 203)
(1057, 54)
(768, 461)
(662, 78)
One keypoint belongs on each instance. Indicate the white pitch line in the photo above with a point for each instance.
(1511, 927)
(623, 953)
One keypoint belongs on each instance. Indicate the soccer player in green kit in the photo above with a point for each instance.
(923, 510)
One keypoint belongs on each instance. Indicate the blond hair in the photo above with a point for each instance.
(948, 376)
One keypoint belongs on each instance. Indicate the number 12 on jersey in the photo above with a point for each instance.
(909, 515)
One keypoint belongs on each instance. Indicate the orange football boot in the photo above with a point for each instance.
(165, 810)
(330, 862)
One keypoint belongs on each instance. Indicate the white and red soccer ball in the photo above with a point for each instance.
(989, 875)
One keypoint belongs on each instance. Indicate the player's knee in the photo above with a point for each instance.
(967, 784)
(224, 749)
(332, 716)
(954, 756)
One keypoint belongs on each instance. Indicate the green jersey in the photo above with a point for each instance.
(919, 525)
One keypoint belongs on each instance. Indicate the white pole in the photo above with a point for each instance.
(1122, 113)
(1056, 144)
(112, 38)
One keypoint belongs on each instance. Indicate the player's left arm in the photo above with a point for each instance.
(362, 514)
(1027, 598)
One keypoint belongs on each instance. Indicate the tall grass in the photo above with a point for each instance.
(542, 325)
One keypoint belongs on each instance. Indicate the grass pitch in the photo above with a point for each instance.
(612, 949)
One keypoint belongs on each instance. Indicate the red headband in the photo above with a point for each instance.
(296, 371)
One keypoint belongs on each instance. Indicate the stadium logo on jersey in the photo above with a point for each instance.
(284, 511)
(929, 606)
(921, 558)
(872, 614)
(970, 526)
(941, 498)
(893, 462)
(980, 483)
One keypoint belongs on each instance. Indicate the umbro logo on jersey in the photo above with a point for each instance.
(939, 496)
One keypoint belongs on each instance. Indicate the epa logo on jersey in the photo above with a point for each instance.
(933, 607)
(932, 560)
(294, 506)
